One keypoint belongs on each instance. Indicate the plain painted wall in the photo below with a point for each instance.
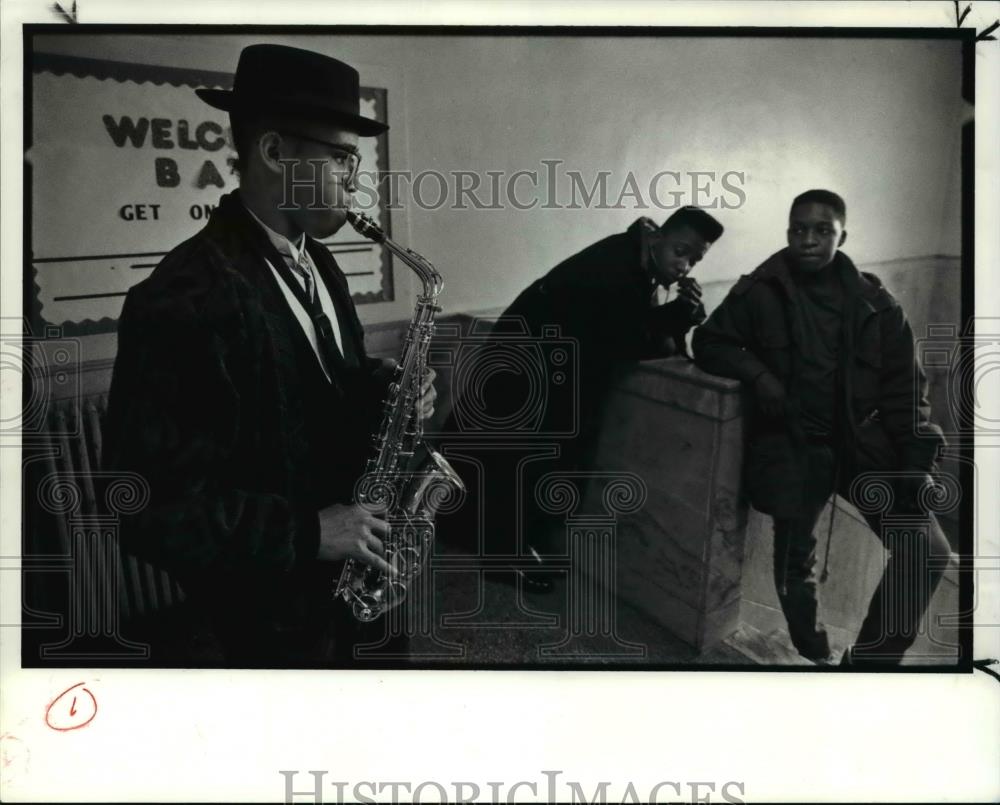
(876, 120)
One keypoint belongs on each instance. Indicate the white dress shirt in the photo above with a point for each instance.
(298, 259)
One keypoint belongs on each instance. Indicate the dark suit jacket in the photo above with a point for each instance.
(217, 399)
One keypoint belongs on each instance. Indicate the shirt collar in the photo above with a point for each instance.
(286, 248)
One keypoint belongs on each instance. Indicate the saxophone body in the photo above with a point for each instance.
(406, 480)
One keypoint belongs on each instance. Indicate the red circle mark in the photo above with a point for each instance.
(63, 718)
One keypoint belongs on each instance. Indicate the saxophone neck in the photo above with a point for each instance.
(421, 266)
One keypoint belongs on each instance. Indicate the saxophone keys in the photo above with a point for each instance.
(366, 607)
(410, 559)
(395, 595)
(396, 562)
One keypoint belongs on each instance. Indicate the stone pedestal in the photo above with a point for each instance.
(680, 555)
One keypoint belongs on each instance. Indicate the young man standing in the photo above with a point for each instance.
(242, 392)
(829, 356)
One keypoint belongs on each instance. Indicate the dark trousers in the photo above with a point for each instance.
(331, 644)
(917, 555)
(305, 628)
(502, 515)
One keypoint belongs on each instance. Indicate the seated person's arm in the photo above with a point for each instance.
(667, 325)
(722, 344)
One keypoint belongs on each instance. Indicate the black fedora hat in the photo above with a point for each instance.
(277, 78)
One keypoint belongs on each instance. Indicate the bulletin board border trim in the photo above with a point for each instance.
(135, 72)
(121, 71)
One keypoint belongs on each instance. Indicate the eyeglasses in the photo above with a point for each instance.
(346, 158)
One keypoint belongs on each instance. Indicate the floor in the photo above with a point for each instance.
(486, 620)
(483, 619)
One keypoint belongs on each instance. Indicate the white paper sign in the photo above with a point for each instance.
(124, 170)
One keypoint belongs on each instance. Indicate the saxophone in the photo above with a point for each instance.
(406, 479)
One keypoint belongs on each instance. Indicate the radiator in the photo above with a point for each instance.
(84, 527)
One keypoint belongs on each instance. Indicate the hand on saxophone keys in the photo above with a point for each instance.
(428, 394)
(355, 533)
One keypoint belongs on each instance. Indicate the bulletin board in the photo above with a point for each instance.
(126, 162)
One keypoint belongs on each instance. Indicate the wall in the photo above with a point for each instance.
(877, 120)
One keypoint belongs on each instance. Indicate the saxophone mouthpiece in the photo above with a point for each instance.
(365, 226)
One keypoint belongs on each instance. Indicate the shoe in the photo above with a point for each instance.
(537, 579)
(531, 581)
(864, 662)
(815, 647)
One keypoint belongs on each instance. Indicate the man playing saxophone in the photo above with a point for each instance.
(242, 391)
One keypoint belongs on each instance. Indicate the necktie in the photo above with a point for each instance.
(348, 350)
(281, 259)
(330, 353)
(300, 268)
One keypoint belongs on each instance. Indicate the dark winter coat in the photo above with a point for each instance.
(219, 402)
(884, 408)
(537, 382)
(599, 300)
